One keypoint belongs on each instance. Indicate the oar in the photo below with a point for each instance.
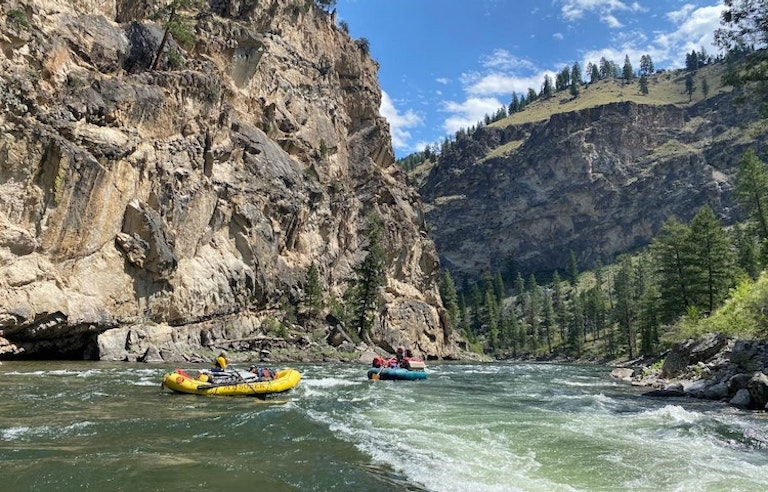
(377, 376)
(246, 382)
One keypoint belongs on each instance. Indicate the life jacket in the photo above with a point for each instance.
(378, 361)
(263, 372)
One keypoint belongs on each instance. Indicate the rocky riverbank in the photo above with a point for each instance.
(712, 367)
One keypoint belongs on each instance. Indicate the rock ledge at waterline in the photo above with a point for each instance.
(712, 367)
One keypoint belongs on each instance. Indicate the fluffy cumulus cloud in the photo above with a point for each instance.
(694, 28)
(468, 113)
(398, 123)
(573, 10)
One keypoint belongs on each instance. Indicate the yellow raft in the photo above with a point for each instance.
(230, 382)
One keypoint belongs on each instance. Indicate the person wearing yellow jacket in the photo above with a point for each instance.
(221, 361)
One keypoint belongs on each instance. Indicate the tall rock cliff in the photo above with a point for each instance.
(597, 182)
(166, 208)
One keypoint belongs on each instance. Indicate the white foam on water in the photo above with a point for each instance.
(320, 387)
(14, 433)
(22, 433)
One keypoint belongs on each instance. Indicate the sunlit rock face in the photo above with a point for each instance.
(181, 206)
(597, 182)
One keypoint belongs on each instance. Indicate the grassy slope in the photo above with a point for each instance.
(663, 88)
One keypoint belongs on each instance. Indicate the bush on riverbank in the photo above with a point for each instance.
(742, 316)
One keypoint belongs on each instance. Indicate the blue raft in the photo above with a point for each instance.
(389, 373)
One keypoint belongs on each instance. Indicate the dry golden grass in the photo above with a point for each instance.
(663, 88)
(505, 149)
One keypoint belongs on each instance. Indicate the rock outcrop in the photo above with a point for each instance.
(711, 367)
(159, 211)
(596, 182)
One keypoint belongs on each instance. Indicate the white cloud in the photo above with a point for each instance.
(559, 36)
(694, 31)
(501, 84)
(503, 60)
(573, 10)
(468, 113)
(611, 21)
(398, 123)
(442, 80)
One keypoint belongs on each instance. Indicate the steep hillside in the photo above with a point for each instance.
(597, 174)
(168, 210)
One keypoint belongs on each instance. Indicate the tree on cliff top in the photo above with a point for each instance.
(745, 29)
(176, 25)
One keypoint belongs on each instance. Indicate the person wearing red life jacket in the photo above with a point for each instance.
(400, 357)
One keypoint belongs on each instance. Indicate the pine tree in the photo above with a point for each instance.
(491, 320)
(559, 305)
(465, 326)
(752, 191)
(450, 298)
(690, 86)
(673, 254)
(646, 65)
(594, 73)
(606, 69)
(548, 321)
(533, 312)
(476, 298)
(573, 268)
(547, 90)
(743, 27)
(624, 310)
(371, 277)
(175, 25)
(747, 251)
(649, 323)
(575, 328)
(595, 310)
(643, 82)
(513, 332)
(576, 77)
(714, 259)
(514, 105)
(498, 287)
(627, 72)
(519, 285)
(313, 292)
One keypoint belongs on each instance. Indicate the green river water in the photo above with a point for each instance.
(94, 426)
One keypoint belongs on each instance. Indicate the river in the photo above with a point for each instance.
(97, 426)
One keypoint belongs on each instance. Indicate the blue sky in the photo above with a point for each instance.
(445, 64)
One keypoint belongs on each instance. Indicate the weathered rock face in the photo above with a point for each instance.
(598, 182)
(194, 196)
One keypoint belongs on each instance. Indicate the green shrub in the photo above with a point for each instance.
(18, 16)
(274, 327)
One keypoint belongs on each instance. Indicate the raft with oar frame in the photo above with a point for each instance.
(231, 382)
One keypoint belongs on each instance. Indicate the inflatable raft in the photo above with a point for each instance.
(230, 382)
(388, 373)
(408, 369)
